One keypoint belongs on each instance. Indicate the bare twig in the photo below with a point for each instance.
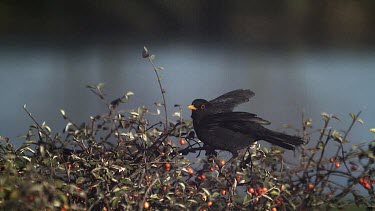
(162, 90)
(37, 124)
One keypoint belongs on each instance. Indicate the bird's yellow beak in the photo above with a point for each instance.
(191, 107)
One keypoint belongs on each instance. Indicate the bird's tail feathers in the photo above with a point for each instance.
(283, 140)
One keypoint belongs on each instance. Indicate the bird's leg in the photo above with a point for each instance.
(210, 151)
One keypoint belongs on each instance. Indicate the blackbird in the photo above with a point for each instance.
(221, 129)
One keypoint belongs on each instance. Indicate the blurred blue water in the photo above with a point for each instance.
(286, 82)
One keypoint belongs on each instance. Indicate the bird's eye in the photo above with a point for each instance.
(203, 106)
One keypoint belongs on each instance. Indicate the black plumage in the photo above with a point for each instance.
(227, 101)
(218, 127)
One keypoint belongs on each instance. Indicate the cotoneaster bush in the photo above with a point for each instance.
(128, 161)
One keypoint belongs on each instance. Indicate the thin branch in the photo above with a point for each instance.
(37, 124)
(162, 92)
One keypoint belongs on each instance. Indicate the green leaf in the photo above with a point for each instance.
(353, 147)
(115, 200)
(292, 205)
(26, 158)
(90, 86)
(266, 196)
(145, 52)
(63, 113)
(129, 94)
(335, 117)
(80, 180)
(246, 198)
(325, 115)
(134, 113)
(192, 201)
(274, 192)
(63, 198)
(182, 185)
(100, 85)
(154, 196)
(140, 110)
(181, 205)
(68, 125)
(337, 136)
(206, 191)
(215, 194)
(177, 114)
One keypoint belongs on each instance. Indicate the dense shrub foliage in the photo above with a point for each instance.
(130, 161)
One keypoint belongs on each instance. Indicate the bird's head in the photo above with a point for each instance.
(200, 108)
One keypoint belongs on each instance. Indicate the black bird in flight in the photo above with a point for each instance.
(217, 126)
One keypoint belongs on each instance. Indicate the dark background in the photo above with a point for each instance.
(262, 23)
(297, 56)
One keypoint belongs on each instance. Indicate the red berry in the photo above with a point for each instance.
(278, 203)
(367, 186)
(251, 190)
(189, 170)
(209, 203)
(146, 205)
(310, 186)
(167, 166)
(337, 164)
(360, 180)
(182, 142)
(223, 192)
(31, 197)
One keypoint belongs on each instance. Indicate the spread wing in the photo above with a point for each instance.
(227, 102)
